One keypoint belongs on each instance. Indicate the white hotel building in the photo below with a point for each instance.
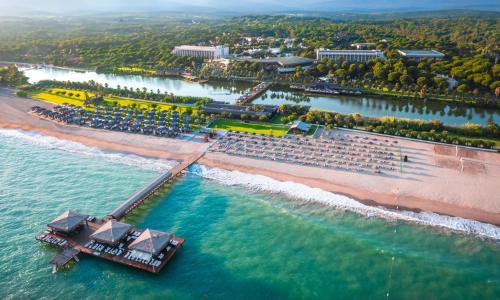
(209, 52)
(421, 54)
(349, 55)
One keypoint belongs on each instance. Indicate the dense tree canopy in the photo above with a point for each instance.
(470, 44)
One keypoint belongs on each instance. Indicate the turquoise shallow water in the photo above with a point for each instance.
(239, 243)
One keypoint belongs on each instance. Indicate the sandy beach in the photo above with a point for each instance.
(440, 179)
(14, 114)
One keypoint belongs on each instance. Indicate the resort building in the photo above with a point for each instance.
(300, 127)
(421, 54)
(363, 46)
(349, 55)
(208, 52)
(283, 64)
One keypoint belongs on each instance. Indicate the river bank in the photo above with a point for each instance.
(449, 113)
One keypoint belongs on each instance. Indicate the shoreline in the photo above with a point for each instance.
(389, 201)
(366, 91)
(411, 194)
(389, 211)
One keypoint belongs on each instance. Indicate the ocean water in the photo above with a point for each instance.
(245, 237)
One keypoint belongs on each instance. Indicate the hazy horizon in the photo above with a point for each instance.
(23, 7)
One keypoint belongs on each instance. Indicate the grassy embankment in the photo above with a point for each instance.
(312, 130)
(258, 128)
(385, 92)
(135, 70)
(78, 98)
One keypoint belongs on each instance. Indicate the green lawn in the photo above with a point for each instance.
(280, 119)
(57, 99)
(258, 128)
(312, 130)
(53, 96)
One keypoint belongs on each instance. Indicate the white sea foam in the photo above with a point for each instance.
(48, 142)
(309, 194)
(260, 183)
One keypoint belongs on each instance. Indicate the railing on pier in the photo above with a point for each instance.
(253, 93)
(137, 198)
(147, 191)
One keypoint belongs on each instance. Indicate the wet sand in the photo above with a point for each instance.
(463, 183)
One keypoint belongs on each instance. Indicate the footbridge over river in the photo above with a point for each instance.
(149, 190)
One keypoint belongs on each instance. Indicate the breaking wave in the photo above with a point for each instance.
(315, 195)
(260, 183)
(48, 142)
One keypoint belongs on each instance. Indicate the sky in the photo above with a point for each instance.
(239, 6)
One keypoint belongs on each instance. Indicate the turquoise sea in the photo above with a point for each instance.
(241, 242)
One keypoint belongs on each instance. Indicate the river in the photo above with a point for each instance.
(448, 113)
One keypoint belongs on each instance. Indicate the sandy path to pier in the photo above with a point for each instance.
(438, 179)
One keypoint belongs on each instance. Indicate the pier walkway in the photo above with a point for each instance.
(253, 93)
(148, 190)
(112, 240)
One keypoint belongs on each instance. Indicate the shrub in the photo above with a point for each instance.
(22, 94)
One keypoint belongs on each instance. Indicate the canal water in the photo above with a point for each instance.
(240, 241)
(451, 114)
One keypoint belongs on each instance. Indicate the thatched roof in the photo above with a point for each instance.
(111, 232)
(151, 241)
(67, 222)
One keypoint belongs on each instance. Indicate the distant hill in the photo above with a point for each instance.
(224, 7)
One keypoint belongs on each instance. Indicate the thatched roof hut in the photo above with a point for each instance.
(67, 222)
(111, 232)
(151, 241)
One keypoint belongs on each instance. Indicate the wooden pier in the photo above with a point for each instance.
(149, 190)
(253, 93)
(76, 233)
(82, 242)
(63, 258)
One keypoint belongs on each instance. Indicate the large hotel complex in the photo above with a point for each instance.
(349, 55)
(209, 52)
(220, 52)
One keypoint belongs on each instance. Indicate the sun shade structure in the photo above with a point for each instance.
(111, 232)
(67, 222)
(300, 126)
(151, 241)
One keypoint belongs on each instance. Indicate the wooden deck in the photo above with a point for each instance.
(82, 242)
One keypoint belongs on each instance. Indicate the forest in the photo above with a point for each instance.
(470, 43)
